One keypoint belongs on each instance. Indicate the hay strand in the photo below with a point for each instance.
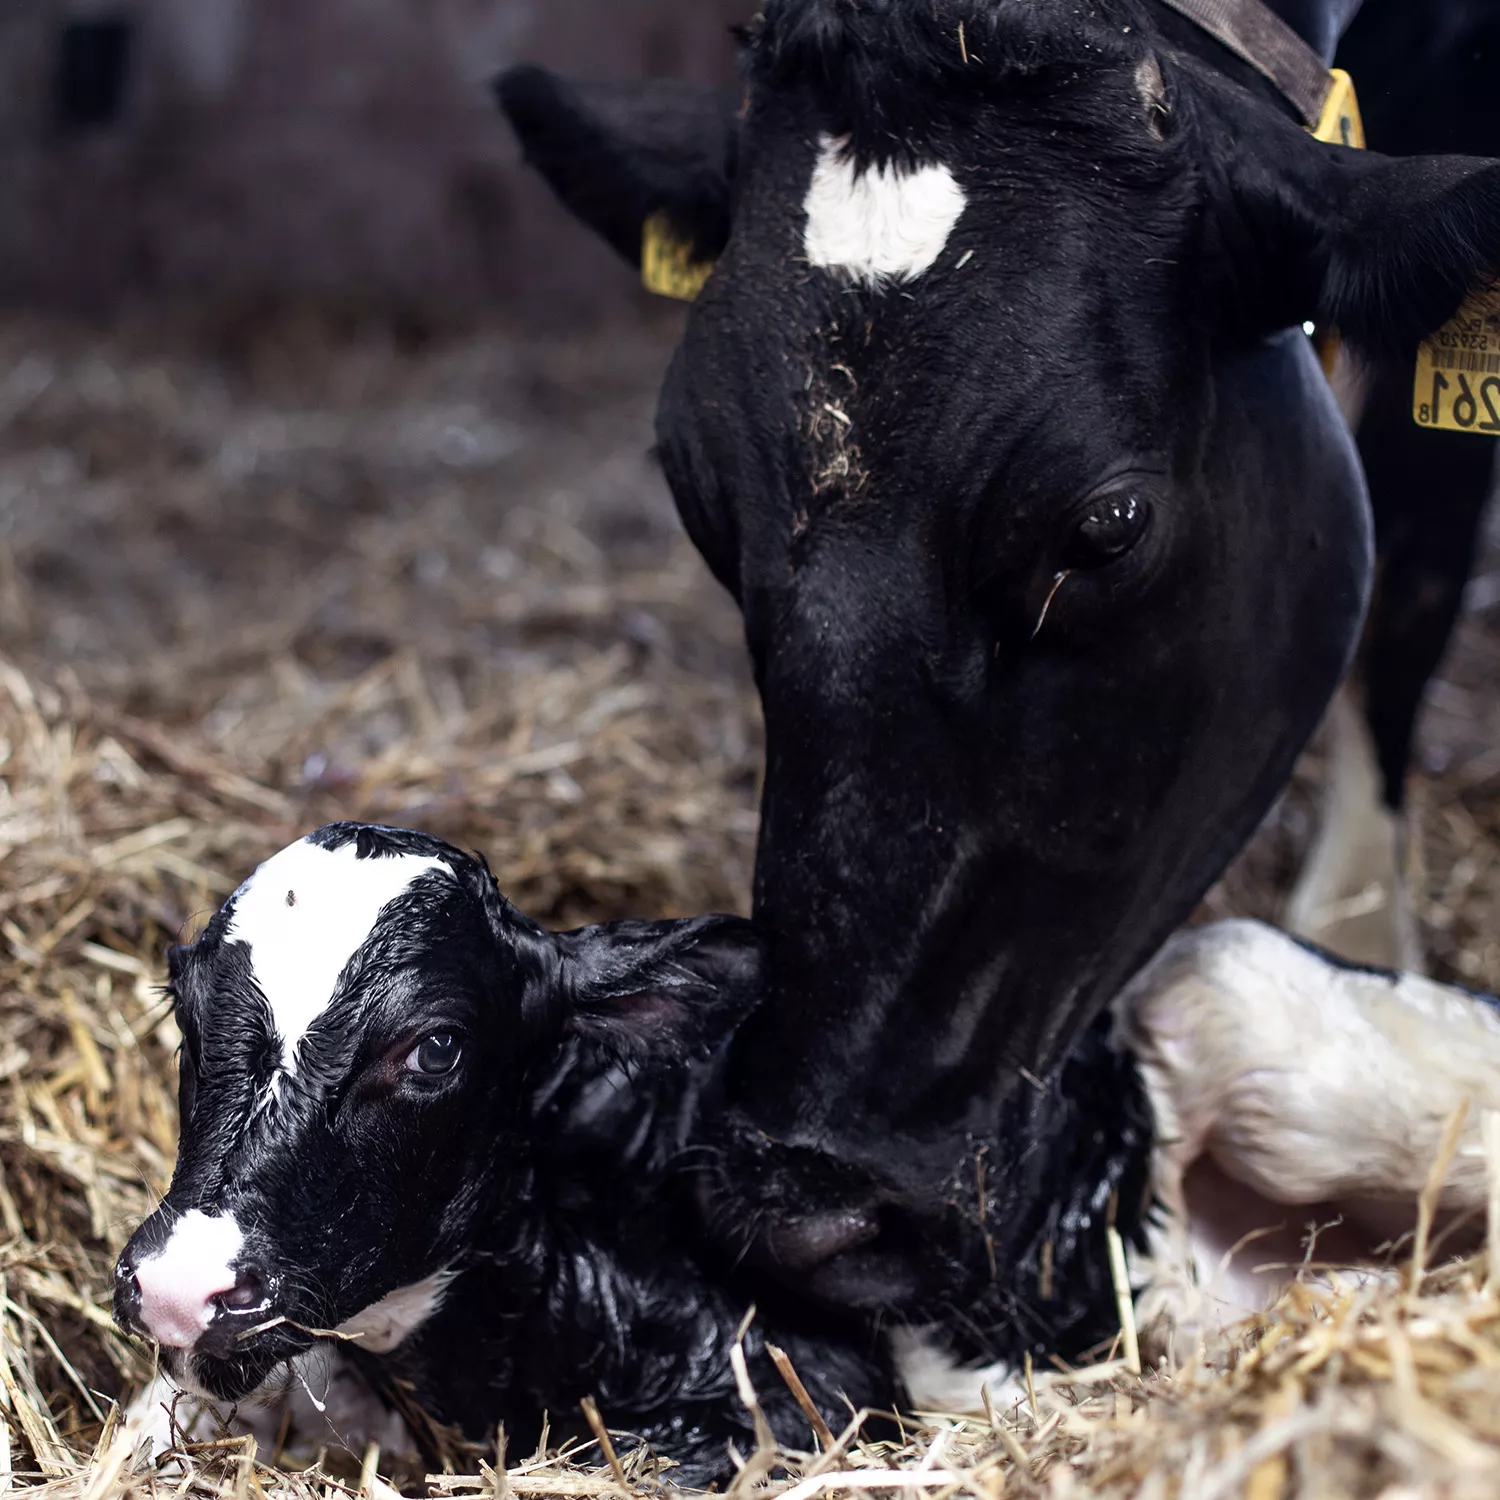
(1432, 1192)
(1124, 1300)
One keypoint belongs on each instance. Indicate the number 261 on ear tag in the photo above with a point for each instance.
(1458, 369)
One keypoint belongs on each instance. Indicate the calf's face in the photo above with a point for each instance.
(1050, 543)
(364, 1024)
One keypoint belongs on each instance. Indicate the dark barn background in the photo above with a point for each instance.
(333, 147)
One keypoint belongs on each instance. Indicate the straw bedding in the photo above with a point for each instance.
(252, 579)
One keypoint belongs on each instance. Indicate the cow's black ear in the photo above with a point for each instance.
(668, 991)
(617, 154)
(1383, 248)
(1413, 238)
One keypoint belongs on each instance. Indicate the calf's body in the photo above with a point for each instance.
(411, 1116)
(435, 1155)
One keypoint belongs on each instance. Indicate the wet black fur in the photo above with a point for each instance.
(547, 1170)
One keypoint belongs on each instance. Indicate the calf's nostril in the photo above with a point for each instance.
(247, 1293)
(127, 1297)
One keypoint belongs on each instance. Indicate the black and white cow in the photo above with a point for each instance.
(427, 1146)
(1426, 72)
(410, 1115)
(1051, 543)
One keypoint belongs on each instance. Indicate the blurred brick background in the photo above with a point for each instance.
(345, 149)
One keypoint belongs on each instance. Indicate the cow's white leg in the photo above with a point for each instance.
(1311, 1087)
(1352, 895)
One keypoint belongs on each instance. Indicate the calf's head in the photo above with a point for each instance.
(996, 418)
(365, 1025)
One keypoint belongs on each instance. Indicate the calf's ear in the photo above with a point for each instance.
(645, 991)
(1384, 248)
(617, 154)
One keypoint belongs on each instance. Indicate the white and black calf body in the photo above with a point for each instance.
(412, 1116)
(501, 1228)
(1290, 1089)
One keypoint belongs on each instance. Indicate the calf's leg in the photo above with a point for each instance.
(1288, 1084)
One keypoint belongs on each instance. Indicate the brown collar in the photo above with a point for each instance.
(1258, 36)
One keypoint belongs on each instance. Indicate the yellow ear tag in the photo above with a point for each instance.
(1340, 124)
(667, 264)
(1458, 368)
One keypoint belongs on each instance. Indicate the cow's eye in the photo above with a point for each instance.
(434, 1055)
(1108, 529)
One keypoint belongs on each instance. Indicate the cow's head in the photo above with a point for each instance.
(365, 1025)
(997, 419)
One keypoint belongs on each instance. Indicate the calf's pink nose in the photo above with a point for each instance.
(178, 1285)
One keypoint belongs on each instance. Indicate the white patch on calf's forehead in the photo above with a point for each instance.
(304, 914)
(883, 223)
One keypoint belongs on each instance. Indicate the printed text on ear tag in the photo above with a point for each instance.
(1458, 369)
(667, 264)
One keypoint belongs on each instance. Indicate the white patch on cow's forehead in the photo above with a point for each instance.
(883, 223)
(304, 914)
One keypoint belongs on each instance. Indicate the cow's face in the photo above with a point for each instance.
(1051, 546)
(364, 1026)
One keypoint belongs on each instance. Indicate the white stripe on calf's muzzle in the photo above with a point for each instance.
(304, 914)
(179, 1283)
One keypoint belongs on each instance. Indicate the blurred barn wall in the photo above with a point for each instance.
(286, 149)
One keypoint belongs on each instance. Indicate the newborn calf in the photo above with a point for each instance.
(413, 1117)
(416, 1120)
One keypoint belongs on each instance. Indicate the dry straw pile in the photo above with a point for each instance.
(440, 586)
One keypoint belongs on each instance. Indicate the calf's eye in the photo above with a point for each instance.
(434, 1055)
(1108, 529)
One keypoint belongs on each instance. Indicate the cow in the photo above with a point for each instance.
(1425, 67)
(430, 1150)
(430, 1161)
(996, 418)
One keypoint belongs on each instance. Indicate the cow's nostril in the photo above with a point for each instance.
(247, 1293)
